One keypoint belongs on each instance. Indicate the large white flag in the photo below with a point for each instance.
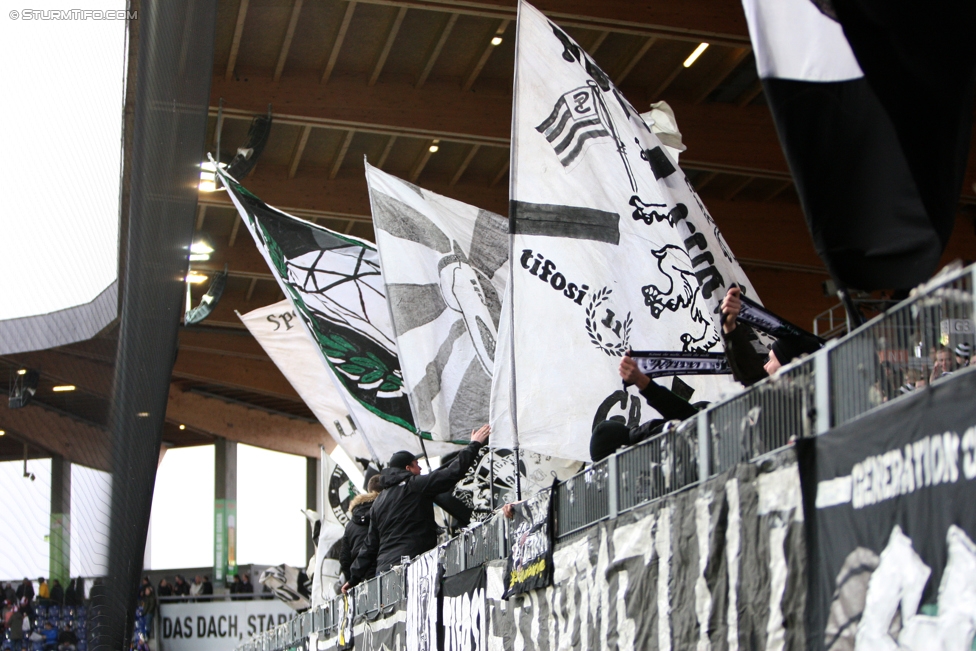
(612, 250)
(445, 264)
(335, 286)
(284, 337)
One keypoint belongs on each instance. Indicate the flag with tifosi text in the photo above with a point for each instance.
(529, 566)
(893, 528)
(612, 250)
(445, 264)
(335, 286)
(464, 617)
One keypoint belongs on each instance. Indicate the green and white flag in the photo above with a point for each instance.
(335, 285)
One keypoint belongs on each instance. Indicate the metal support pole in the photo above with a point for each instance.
(821, 385)
(704, 447)
(613, 486)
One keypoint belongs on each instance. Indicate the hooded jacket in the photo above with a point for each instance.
(356, 530)
(402, 517)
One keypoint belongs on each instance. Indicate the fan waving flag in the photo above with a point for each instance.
(336, 288)
(611, 250)
(445, 264)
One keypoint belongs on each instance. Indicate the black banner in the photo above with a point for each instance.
(656, 363)
(529, 565)
(464, 622)
(889, 504)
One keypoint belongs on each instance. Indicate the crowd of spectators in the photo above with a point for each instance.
(50, 618)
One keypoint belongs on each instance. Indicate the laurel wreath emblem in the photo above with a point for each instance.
(612, 349)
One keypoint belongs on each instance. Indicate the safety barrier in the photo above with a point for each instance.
(839, 383)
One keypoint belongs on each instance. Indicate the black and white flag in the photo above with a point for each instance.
(422, 602)
(858, 188)
(611, 250)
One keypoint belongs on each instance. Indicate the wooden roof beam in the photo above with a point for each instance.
(341, 154)
(386, 152)
(296, 157)
(720, 22)
(436, 52)
(387, 46)
(235, 44)
(464, 164)
(340, 37)
(634, 60)
(296, 9)
(485, 55)
(751, 93)
(422, 163)
(728, 65)
(236, 422)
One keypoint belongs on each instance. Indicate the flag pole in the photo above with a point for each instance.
(511, 257)
(424, 448)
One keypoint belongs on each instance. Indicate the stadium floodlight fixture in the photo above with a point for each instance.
(3, 432)
(496, 41)
(434, 146)
(22, 371)
(63, 388)
(694, 55)
(208, 176)
(182, 426)
(195, 277)
(200, 251)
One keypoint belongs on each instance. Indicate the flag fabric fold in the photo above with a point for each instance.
(445, 264)
(612, 249)
(335, 286)
(878, 174)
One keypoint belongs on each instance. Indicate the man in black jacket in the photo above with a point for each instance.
(357, 527)
(402, 517)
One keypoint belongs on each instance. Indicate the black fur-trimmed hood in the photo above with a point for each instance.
(360, 506)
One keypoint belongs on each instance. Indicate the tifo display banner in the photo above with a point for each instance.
(335, 285)
(217, 625)
(720, 566)
(387, 633)
(892, 524)
(529, 564)
(422, 602)
(445, 265)
(464, 618)
(612, 249)
(334, 517)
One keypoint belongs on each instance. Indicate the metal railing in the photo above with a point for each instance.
(839, 383)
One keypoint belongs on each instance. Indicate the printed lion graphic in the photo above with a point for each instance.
(676, 289)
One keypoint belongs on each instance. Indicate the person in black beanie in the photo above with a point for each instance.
(747, 357)
(611, 435)
(401, 519)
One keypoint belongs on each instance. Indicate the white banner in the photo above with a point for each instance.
(335, 286)
(218, 625)
(612, 250)
(445, 265)
(338, 493)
